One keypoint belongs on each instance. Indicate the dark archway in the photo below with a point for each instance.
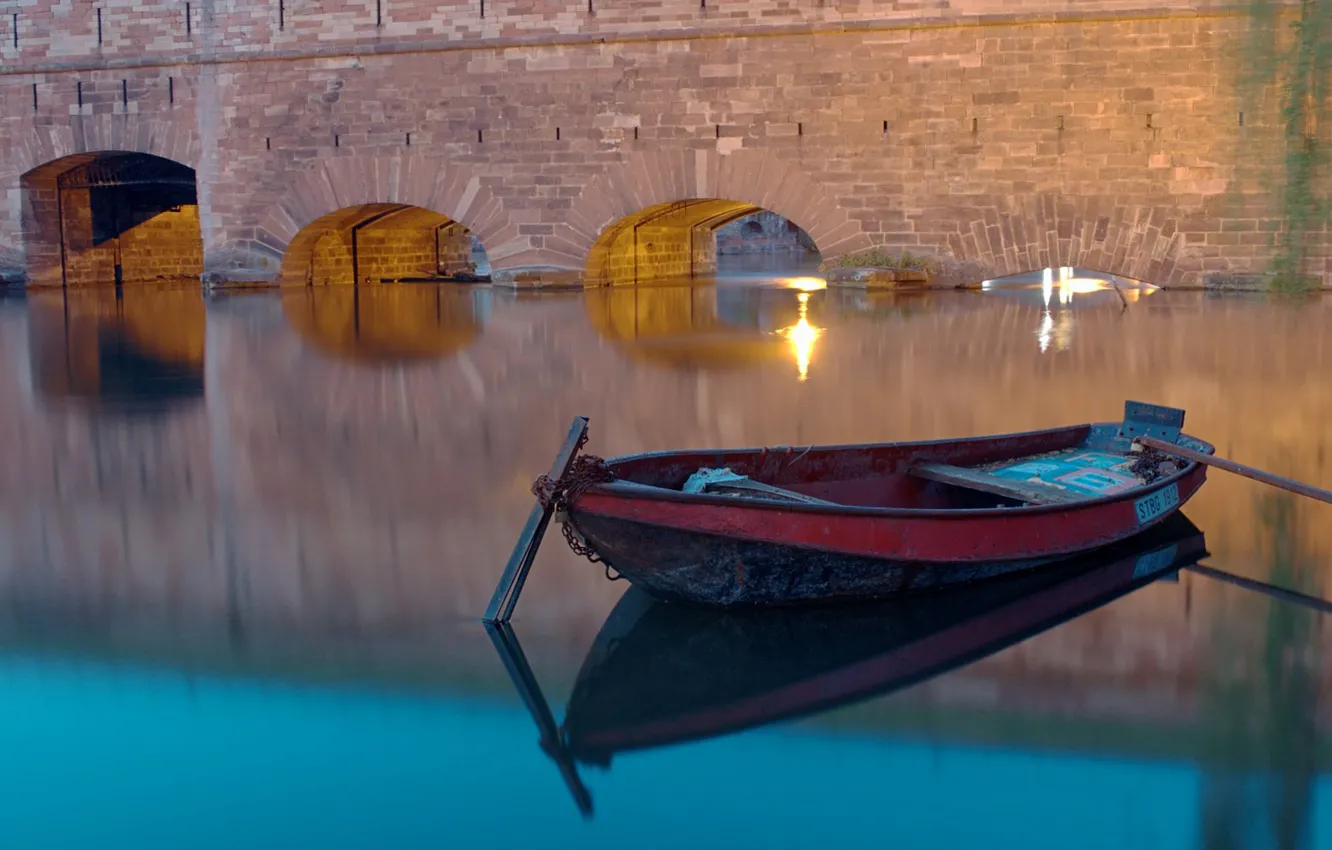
(111, 218)
(382, 243)
(763, 232)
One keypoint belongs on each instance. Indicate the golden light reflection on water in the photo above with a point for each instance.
(804, 284)
(802, 336)
(712, 326)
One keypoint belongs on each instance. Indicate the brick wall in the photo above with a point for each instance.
(453, 249)
(1093, 134)
(389, 253)
(52, 31)
(382, 242)
(165, 246)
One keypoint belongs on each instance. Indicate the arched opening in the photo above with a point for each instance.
(388, 323)
(111, 217)
(699, 238)
(137, 350)
(383, 243)
(1060, 286)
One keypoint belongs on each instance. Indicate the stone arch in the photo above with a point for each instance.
(753, 179)
(1005, 236)
(343, 182)
(377, 243)
(37, 153)
(168, 139)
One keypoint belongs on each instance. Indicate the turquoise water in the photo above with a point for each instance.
(128, 756)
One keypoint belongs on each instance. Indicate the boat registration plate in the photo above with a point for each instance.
(1151, 507)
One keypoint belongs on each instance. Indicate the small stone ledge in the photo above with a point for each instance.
(239, 279)
(1236, 282)
(538, 278)
(878, 277)
(1265, 282)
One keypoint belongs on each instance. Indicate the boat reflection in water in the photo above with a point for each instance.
(661, 674)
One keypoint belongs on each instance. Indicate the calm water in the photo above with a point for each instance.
(244, 540)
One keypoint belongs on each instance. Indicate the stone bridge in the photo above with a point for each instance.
(577, 138)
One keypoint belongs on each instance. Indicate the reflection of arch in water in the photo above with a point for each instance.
(876, 304)
(767, 309)
(705, 327)
(1056, 291)
(110, 217)
(390, 322)
(136, 351)
(1062, 287)
(380, 243)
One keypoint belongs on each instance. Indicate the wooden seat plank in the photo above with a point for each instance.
(973, 479)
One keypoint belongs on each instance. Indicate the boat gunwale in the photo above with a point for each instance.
(646, 492)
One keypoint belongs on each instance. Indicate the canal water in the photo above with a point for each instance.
(245, 540)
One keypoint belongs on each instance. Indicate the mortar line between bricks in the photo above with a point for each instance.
(360, 50)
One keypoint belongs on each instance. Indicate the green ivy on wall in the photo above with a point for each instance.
(1294, 60)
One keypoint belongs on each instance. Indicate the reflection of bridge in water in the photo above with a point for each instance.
(387, 322)
(708, 327)
(316, 507)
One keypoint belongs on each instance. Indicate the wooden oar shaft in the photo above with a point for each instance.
(1282, 593)
(1239, 469)
(511, 583)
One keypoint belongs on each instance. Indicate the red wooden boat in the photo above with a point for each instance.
(784, 525)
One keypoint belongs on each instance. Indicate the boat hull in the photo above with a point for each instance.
(744, 554)
(660, 674)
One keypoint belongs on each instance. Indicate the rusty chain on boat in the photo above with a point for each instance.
(584, 472)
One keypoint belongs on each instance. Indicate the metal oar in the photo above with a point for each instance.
(1238, 468)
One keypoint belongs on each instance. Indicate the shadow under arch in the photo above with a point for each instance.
(381, 243)
(111, 216)
(388, 323)
(671, 240)
(707, 327)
